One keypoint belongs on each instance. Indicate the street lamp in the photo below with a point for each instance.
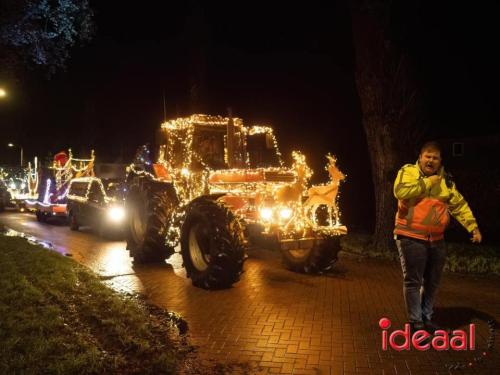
(20, 147)
(3, 93)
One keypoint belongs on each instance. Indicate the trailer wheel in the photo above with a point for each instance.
(149, 208)
(40, 216)
(317, 259)
(212, 244)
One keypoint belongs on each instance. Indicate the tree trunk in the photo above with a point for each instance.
(387, 96)
(384, 162)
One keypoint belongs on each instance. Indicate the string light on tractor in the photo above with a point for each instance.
(214, 177)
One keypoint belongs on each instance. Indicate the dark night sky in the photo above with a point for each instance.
(290, 66)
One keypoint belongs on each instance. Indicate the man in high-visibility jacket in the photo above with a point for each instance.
(426, 196)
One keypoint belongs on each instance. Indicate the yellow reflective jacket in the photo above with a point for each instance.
(423, 211)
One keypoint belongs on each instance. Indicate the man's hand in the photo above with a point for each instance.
(476, 236)
(434, 179)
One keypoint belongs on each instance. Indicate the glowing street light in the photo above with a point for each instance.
(10, 144)
(3, 93)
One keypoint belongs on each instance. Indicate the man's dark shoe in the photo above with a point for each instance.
(416, 326)
(430, 326)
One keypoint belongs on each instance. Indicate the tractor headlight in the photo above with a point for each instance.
(116, 214)
(286, 213)
(266, 213)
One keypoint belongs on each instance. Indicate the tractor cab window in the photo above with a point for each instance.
(208, 149)
(262, 151)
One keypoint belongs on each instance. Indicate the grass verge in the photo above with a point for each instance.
(57, 317)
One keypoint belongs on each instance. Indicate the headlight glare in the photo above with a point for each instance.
(116, 214)
(286, 213)
(266, 213)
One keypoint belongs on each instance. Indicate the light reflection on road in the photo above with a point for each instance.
(112, 259)
(108, 258)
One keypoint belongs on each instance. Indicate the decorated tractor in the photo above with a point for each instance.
(215, 188)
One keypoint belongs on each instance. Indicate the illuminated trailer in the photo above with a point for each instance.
(53, 183)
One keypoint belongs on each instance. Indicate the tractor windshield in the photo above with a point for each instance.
(208, 149)
(262, 151)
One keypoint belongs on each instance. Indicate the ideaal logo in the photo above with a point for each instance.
(423, 340)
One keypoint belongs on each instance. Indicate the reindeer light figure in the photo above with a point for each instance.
(326, 194)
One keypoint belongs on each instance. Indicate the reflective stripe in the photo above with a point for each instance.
(424, 237)
(409, 217)
(404, 228)
(425, 219)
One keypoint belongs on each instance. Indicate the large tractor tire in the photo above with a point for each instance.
(149, 206)
(317, 259)
(212, 244)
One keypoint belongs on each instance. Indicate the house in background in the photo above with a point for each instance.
(472, 152)
(474, 163)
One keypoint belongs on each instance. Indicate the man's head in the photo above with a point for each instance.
(430, 158)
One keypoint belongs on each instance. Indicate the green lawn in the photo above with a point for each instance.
(57, 317)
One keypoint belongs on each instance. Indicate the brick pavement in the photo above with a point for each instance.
(278, 322)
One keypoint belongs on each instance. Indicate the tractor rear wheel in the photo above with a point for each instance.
(212, 244)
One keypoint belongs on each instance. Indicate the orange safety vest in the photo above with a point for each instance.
(423, 210)
(426, 219)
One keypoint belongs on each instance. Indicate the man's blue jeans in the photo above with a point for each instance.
(422, 263)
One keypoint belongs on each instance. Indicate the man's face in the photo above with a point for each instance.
(430, 162)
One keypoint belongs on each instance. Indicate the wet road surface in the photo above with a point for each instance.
(276, 321)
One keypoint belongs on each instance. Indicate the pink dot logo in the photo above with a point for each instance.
(384, 323)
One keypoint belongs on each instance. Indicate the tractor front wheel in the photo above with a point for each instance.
(212, 244)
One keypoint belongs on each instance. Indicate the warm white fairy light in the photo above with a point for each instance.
(272, 196)
(89, 181)
(47, 191)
